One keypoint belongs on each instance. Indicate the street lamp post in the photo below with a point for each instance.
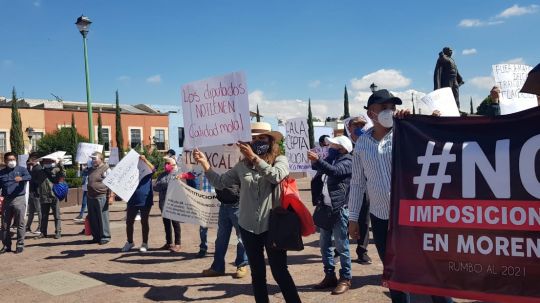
(83, 24)
(373, 87)
(30, 134)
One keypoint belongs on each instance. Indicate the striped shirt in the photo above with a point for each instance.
(205, 184)
(371, 172)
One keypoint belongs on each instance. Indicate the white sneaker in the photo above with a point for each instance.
(144, 247)
(127, 247)
(138, 217)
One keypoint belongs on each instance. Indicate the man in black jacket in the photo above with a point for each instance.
(228, 218)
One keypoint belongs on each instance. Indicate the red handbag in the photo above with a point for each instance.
(290, 196)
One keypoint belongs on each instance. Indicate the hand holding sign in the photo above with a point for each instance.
(246, 150)
(312, 156)
(201, 159)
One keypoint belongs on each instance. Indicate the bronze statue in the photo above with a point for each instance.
(446, 73)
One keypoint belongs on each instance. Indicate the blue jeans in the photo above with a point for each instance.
(228, 218)
(83, 205)
(341, 240)
(203, 234)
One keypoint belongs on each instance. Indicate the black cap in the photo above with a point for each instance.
(382, 96)
(321, 138)
(171, 152)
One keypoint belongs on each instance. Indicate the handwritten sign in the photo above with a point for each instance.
(221, 158)
(85, 150)
(510, 78)
(443, 101)
(114, 157)
(125, 177)
(21, 160)
(297, 144)
(188, 205)
(216, 111)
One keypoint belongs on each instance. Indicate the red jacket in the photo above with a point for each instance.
(290, 196)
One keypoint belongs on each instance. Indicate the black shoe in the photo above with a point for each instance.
(364, 260)
(82, 232)
(58, 236)
(19, 250)
(201, 254)
(93, 241)
(5, 250)
(103, 242)
(79, 217)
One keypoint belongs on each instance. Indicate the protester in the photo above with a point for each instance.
(140, 202)
(13, 179)
(356, 127)
(371, 174)
(54, 172)
(228, 218)
(490, 106)
(335, 173)
(98, 195)
(84, 187)
(161, 186)
(258, 174)
(205, 186)
(34, 204)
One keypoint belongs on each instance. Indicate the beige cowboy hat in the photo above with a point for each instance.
(264, 128)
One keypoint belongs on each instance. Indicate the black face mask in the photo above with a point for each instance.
(260, 147)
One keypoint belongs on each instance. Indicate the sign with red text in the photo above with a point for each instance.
(216, 111)
(465, 208)
(297, 145)
(221, 158)
(510, 79)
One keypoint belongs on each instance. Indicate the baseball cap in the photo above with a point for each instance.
(382, 96)
(341, 140)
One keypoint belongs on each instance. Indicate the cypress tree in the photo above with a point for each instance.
(99, 129)
(472, 111)
(74, 138)
(16, 138)
(412, 100)
(310, 126)
(346, 113)
(119, 135)
(258, 115)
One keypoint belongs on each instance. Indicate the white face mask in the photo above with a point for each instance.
(12, 164)
(385, 118)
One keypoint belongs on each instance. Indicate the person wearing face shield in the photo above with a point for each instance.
(34, 204)
(371, 175)
(13, 179)
(258, 174)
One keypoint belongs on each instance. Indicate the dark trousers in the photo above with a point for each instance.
(98, 216)
(33, 207)
(363, 224)
(46, 208)
(14, 210)
(130, 220)
(171, 225)
(380, 231)
(277, 259)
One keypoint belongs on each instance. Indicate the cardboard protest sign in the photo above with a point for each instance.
(85, 150)
(114, 157)
(510, 78)
(125, 177)
(189, 205)
(56, 156)
(216, 111)
(297, 145)
(465, 208)
(221, 158)
(443, 101)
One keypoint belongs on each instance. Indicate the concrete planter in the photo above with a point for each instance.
(74, 197)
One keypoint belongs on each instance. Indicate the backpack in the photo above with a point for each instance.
(60, 190)
(229, 195)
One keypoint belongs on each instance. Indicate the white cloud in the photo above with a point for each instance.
(124, 78)
(484, 83)
(314, 83)
(517, 10)
(478, 23)
(383, 78)
(514, 61)
(469, 51)
(156, 79)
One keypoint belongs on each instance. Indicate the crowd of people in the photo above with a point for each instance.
(352, 185)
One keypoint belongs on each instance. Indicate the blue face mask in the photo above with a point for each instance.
(332, 154)
(260, 147)
(359, 131)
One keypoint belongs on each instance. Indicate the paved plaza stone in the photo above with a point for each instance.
(69, 270)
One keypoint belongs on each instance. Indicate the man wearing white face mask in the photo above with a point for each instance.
(372, 173)
(13, 180)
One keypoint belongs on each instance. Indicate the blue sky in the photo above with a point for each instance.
(290, 50)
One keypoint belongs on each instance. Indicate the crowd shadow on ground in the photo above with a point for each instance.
(177, 292)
